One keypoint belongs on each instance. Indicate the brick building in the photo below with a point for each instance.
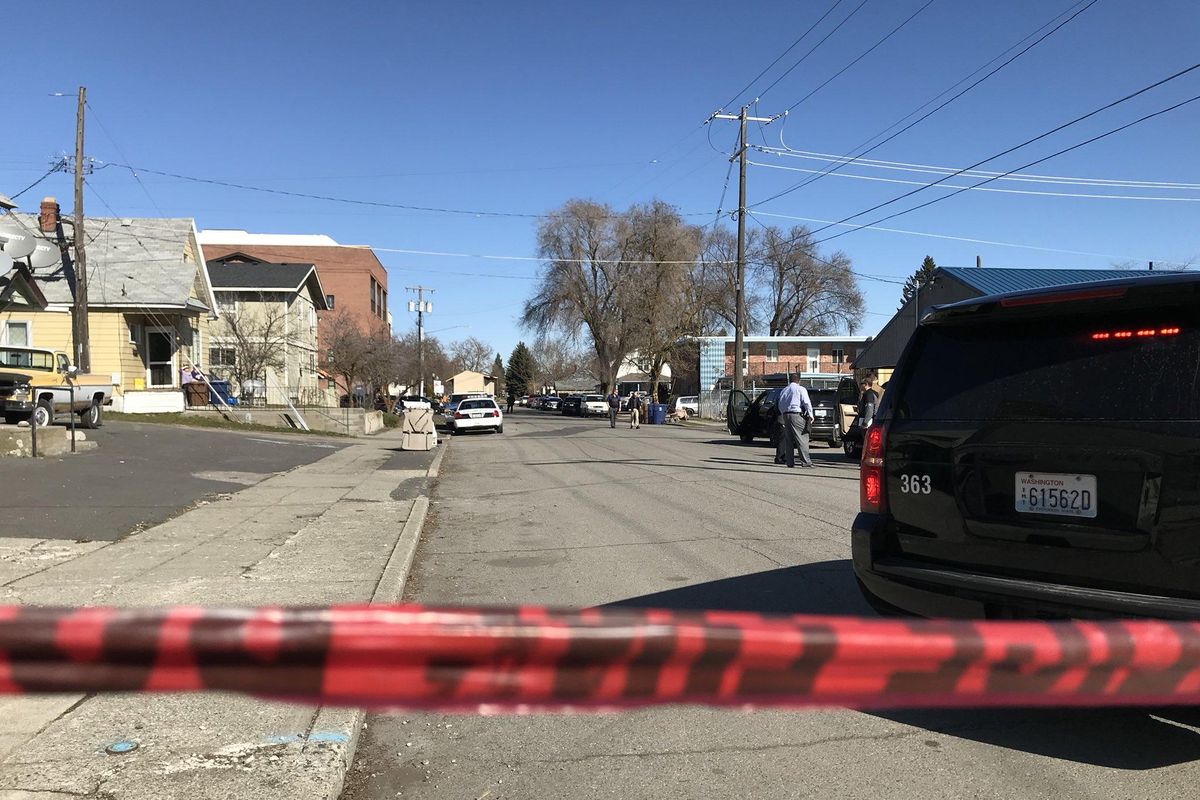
(766, 355)
(355, 282)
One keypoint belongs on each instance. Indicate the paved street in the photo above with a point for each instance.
(563, 511)
(140, 475)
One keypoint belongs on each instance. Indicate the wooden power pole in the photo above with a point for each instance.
(83, 349)
(740, 288)
(421, 306)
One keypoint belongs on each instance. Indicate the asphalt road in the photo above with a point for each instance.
(567, 512)
(140, 475)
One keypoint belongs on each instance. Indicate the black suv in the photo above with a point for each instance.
(1037, 454)
(750, 420)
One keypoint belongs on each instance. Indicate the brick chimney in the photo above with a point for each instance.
(48, 215)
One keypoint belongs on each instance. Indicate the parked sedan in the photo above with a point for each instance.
(476, 413)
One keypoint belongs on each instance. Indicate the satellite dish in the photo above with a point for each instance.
(43, 255)
(17, 241)
(6, 262)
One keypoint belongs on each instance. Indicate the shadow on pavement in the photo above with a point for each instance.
(827, 587)
(1117, 738)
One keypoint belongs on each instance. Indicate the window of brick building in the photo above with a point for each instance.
(329, 301)
(772, 351)
(839, 355)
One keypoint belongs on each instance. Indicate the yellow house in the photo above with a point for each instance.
(468, 381)
(150, 304)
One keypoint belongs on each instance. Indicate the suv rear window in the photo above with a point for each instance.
(1143, 366)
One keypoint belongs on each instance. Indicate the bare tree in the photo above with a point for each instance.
(472, 354)
(669, 295)
(589, 262)
(385, 363)
(557, 358)
(254, 332)
(801, 292)
(347, 350)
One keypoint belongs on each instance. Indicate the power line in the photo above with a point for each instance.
(862, 55)
(779, 57)
(939, 107)
(978, 188)
(1026, 143)
(968, 239)
(349, 200)
(814, 48)
(1127, 125)
(905, 166)
(59, 166)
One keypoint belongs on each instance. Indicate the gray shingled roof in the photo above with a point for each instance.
(134, 262)
(258, 276)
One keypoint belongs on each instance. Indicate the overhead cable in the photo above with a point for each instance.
(942, 105)
(1084, 143)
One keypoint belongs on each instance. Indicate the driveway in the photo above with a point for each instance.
(140, 475)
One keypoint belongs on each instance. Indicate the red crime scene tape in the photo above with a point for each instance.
(534, 659)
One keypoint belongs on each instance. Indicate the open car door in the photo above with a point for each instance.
(736, 410)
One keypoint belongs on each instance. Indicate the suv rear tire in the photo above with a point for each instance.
(851, 449)
(90, 417)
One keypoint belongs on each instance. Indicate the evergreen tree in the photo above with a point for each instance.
(919, 280)
(498, 372)
(521, 370)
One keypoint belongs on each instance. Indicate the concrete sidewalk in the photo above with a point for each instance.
(327, 532)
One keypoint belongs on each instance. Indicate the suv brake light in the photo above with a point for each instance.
(872, 495)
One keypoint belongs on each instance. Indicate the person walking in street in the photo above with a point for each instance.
(795, 408)
(512, 400)
(614, 406)
(635, 411)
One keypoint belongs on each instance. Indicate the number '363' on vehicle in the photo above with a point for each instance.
(1038, 454)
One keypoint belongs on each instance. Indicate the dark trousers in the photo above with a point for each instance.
(793, 435)
(612, 417)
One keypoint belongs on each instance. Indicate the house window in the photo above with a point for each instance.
(374, 303)
(745, 358)
(329, 301)
(839, 355)
(222, 357)
(134, 329)
(16, 334)
(814, 359)
(772, 351)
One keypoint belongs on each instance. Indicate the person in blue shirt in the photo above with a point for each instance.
(795, 418)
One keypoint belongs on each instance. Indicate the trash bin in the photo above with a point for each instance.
(658, 414)
(218, 393)
(197, 393)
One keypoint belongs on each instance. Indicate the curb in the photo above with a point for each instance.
(341, 727)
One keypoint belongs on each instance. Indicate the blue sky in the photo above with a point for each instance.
(516, 107)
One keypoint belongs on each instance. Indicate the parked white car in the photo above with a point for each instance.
(690, 404)
(476, 413)
(593, 405)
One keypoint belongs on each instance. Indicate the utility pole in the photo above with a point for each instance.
(83, 349)
(421, 307)
(740, 281)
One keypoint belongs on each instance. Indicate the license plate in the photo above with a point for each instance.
(476, 416)
(820, 412)
(1061, 494)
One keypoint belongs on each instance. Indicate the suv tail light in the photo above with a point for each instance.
(872, 493)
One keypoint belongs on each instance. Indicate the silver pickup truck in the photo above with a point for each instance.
(38, 384)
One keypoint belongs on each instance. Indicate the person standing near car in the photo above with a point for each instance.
(635, 411)
(512, 400)
(868, 401)
(614, 406)
(795, 408)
